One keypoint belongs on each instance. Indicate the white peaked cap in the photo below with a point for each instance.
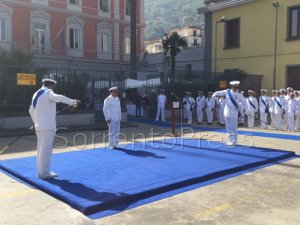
(113, 89)
(49, 80)
(234, 83)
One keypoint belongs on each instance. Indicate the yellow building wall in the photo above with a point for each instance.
(257, 41)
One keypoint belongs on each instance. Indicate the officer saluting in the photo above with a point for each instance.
(43, 113)
(112, 114)
(189, 102)
(231, 112)
(200, 106)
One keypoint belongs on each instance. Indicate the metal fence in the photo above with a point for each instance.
(85, 81)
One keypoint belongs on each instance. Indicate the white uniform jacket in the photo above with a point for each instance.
(43, 108)
(254, 102)
(200, 102)
(262, 106)
(188, 103)
(161, 100)
(112, 108)
(230, 110)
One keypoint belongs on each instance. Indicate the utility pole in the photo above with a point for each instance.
(133, 56)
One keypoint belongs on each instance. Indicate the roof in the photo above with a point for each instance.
(222, 5)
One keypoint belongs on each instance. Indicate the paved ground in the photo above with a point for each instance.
(267, 196)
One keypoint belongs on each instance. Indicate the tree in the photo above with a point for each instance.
(172, 44)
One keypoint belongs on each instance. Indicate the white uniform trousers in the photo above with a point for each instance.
(210, 115)
(263, 118)
(291, 122)
(189, 115)
(200, 114)
(297, 122)
(251, 120)
(221, 116)
(285, 121)
(44, 151)
(231, 127)
(114, 133)
(160, 112)
(278, 121)
(272, 114)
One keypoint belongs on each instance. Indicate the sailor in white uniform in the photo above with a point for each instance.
(291, 109)
(112, 114)
(43, 113)
(279, 110)
(264, 102)
(210, 105)
(231, 110)
(242, 111)
(189, 103)
(222, 104)
(161, 102)
(252, 106)
(200, 106)
(297, 122)
(271, 108)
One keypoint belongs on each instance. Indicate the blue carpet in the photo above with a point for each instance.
(220, 130)
(103, 182)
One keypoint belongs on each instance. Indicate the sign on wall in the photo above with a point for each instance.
(26, 79)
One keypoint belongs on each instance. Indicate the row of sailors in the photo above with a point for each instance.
(283, 107)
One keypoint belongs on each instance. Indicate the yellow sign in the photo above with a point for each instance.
(26, 79)
(223, 84)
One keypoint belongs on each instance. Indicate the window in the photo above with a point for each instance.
(104, 42)
(38, 41)
(194, 33)
(294, 23)
(195, 42)
(104, 5)
(74, 27)
(128, 7)
(127, 45)
(5, 26)
(232, 33)
(40, 32)
(74, 38)
(74, 5)
(41, 2)
(3, 32)
(74, 2)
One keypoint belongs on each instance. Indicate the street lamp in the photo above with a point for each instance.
(222, 20)
(276, 6)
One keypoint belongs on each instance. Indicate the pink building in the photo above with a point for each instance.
(81, 29)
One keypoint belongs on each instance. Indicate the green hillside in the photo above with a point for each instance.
(163, 15)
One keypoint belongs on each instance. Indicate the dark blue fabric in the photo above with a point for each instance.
(102, 181)
(221, 130)
(252, 105)
(278, 103)
(232, 99)
(38, 95)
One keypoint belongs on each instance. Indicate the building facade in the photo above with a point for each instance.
(241, 34)
(194, 36)
(154, 46)
(89, 30)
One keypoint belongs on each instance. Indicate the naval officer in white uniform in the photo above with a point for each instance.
(43, 113)
(112, 114)
(231, 110)
(161, 102)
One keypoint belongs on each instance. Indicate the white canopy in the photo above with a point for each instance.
(131, 83)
